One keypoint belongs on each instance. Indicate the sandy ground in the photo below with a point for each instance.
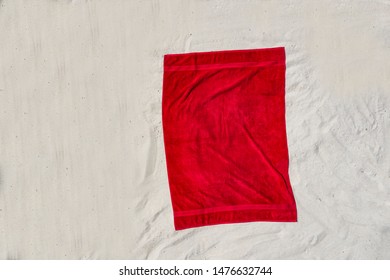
(82, 164)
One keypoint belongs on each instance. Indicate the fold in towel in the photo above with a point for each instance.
(225, 137)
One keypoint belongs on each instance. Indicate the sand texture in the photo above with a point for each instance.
(82, 163)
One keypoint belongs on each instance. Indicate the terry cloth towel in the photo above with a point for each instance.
(225, 138)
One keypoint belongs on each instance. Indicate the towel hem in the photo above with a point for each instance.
(283, 214)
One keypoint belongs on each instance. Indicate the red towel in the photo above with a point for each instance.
(225, 137)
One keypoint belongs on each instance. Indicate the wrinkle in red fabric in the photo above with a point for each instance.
(225, 137)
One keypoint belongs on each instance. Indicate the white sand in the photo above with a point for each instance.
(82, 164)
